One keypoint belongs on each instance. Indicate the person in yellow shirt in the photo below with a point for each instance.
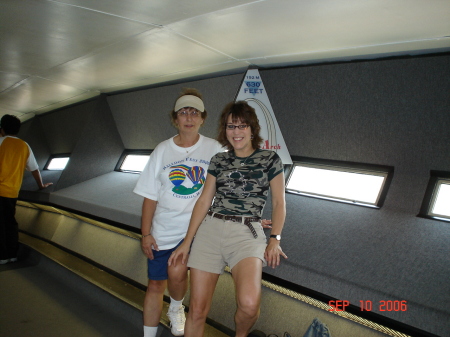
(15, 157)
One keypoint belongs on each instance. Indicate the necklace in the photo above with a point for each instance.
(189, 148)
(243, 163)
(246, 158)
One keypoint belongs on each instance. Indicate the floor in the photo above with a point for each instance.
(40, 298)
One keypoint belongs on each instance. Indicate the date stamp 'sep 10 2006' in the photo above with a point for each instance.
(342, 305)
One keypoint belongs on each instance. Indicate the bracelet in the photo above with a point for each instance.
(143, 236)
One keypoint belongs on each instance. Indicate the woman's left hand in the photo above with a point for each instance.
(183, 251)
(273, 253)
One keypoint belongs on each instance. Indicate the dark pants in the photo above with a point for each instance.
(9, 230)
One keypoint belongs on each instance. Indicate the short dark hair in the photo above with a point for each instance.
(10, 124)
(187, 91)
(241, 111)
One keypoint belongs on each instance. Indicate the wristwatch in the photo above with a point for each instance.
(278, 236)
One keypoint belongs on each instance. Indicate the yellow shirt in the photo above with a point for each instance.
(15, 157)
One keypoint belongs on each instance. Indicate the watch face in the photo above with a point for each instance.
(278, 237)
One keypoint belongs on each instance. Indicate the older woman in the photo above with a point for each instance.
(170, 185)
(228, 232)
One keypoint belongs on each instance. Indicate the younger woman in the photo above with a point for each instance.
(229, 232)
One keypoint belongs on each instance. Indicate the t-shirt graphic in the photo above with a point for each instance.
(237, 184)
(183, 186)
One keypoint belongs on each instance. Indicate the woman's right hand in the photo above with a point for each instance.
(181, 252)
(147, 244)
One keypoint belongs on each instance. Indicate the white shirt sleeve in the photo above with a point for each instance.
(148, 185)
(31, 161)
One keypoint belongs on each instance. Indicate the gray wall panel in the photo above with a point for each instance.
(33, 133)
(142, 117)
(391, 112)
(64, 128)
(98, 149)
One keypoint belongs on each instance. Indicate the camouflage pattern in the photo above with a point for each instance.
(243, 190)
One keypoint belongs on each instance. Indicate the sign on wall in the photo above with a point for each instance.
(252, 90)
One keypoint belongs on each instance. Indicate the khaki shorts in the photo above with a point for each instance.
(219, 243)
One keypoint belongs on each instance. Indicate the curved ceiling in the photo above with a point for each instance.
(56, 53)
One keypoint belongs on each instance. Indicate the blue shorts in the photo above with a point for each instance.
(157, 268)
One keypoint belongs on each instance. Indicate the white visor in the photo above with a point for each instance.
(189, 101)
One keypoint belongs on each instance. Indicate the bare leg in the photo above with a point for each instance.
(153, 302)
(178, 281)
(177, 285)
(202, 291)
(247, 279)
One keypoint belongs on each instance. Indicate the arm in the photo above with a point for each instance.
(273, 249)
(37, 176)
(198, 214)
(148, 210)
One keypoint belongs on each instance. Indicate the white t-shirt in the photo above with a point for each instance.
(174, 177)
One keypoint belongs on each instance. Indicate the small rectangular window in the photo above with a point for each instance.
(133, 161)
(436, 203)
(57, 162)
(359, 184)
(441, 200)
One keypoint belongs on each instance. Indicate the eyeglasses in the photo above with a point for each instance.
(185, 113)
(240, 127)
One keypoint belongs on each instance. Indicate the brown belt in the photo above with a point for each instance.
(235, 218)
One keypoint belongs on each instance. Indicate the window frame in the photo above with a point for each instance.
(430, 195)
(124, 155)
(344, 166)
(54, 156)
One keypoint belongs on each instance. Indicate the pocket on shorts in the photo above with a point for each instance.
(259, 230)
(204, 228)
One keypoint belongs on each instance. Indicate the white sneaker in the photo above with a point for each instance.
(177, 319)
